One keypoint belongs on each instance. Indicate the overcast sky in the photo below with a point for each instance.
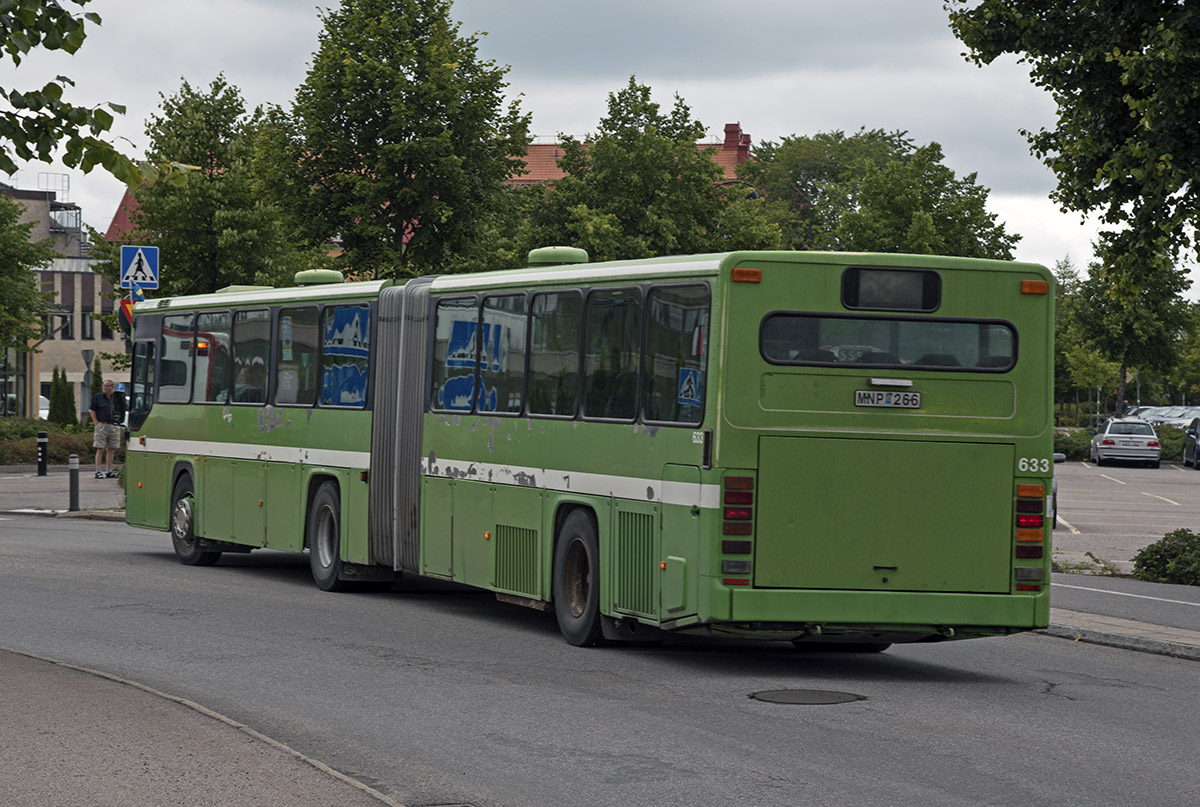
(777, 67)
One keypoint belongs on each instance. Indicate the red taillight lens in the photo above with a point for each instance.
(738, 528)
(1108, 442)
(1153, 444)
(1029, 521)
(1029, 552)
(739, 483)
(739, 497)
(737, 513)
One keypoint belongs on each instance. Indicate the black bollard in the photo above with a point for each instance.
(74, 472)
(43, 452)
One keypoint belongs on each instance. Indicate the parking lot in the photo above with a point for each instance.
(1114, 511)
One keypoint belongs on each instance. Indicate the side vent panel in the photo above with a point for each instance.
(634, 564)
(516, 561)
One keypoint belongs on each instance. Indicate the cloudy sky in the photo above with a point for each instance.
(778, 67)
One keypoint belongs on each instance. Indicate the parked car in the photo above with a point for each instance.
(1058, 457)
(43, 407)
(1177, 416)
(1189, 443)
(1126, 439)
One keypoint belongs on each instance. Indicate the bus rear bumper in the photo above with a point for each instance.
(920, 616)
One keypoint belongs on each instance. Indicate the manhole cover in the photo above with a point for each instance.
(806, 697)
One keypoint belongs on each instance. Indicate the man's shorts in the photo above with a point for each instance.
(108, 435)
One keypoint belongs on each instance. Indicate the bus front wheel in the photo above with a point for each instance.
(576, 581)
(324, 538)
(183, 526)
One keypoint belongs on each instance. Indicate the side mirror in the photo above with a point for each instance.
(1059, 456)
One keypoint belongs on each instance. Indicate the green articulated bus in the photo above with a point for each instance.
(825, 448)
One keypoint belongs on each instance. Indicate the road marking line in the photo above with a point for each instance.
(1118, 481)
(1164, 498)
(1067, 524)
(1123, 594)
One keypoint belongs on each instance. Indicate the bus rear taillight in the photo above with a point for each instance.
(1029, 511)
(737, 513)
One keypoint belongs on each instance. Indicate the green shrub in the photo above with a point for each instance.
(1171, 440)
(1075, 443)
(1174, 558)
(18, 442)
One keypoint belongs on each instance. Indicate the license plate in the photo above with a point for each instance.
(890, 400)
(1130, 444)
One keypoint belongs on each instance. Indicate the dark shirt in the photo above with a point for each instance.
(109, 410)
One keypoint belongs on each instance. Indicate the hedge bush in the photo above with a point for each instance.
(1171, 440)
(1075, 443)
(1174, 558)
(18, 442)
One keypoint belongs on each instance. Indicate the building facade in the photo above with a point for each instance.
(72, 334)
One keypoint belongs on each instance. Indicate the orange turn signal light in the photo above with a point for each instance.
(746, 276)
(1031, 491)
(1035, 287)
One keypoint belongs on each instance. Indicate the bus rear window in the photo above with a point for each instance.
(900, 342)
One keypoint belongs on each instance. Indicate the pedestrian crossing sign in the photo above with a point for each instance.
(139, 266)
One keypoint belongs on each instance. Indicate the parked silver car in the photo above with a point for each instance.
(1127, 439)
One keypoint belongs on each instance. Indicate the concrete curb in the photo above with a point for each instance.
(101, 515)
(1137, 643)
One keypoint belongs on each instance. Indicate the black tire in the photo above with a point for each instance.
(577, 581)
(324, 531)
(1155, 464)
(183, 526)
(842, 647)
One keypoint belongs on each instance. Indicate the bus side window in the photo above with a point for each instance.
(296, 352)
(502, 364)
(455, 355)
(251, 352)
(212, 357)
(676, 348)
(142, 388)
(345, 355)
(178, 339)
(554, 353)
(614, 337)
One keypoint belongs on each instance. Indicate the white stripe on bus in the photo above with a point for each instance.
(622, 487)
(578, 273)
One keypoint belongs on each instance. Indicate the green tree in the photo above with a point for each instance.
(810, 182)
(874, 191)
(1138, 330)
(22, 317)
(639, 187)
(1125, 79)
(62, 400)
(212, 226)
(919, 205)
(36, 124)
(97, 385)
(398, 142)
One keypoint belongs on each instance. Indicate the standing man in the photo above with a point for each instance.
(108, 415)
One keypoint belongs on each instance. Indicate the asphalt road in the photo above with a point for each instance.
(1108, 514)
(435, 694)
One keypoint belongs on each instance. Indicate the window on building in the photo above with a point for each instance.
(87, 325)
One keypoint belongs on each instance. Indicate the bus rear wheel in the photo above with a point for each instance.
(325, 538)
(576, 581)
(183, 527)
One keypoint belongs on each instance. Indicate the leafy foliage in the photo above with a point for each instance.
(1075, 443)
(25, 304)
(1126, 79)
(1174, 558)
(874, 191)
(639, 187)
(397, 143)
(39, 122)
(212, 226)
